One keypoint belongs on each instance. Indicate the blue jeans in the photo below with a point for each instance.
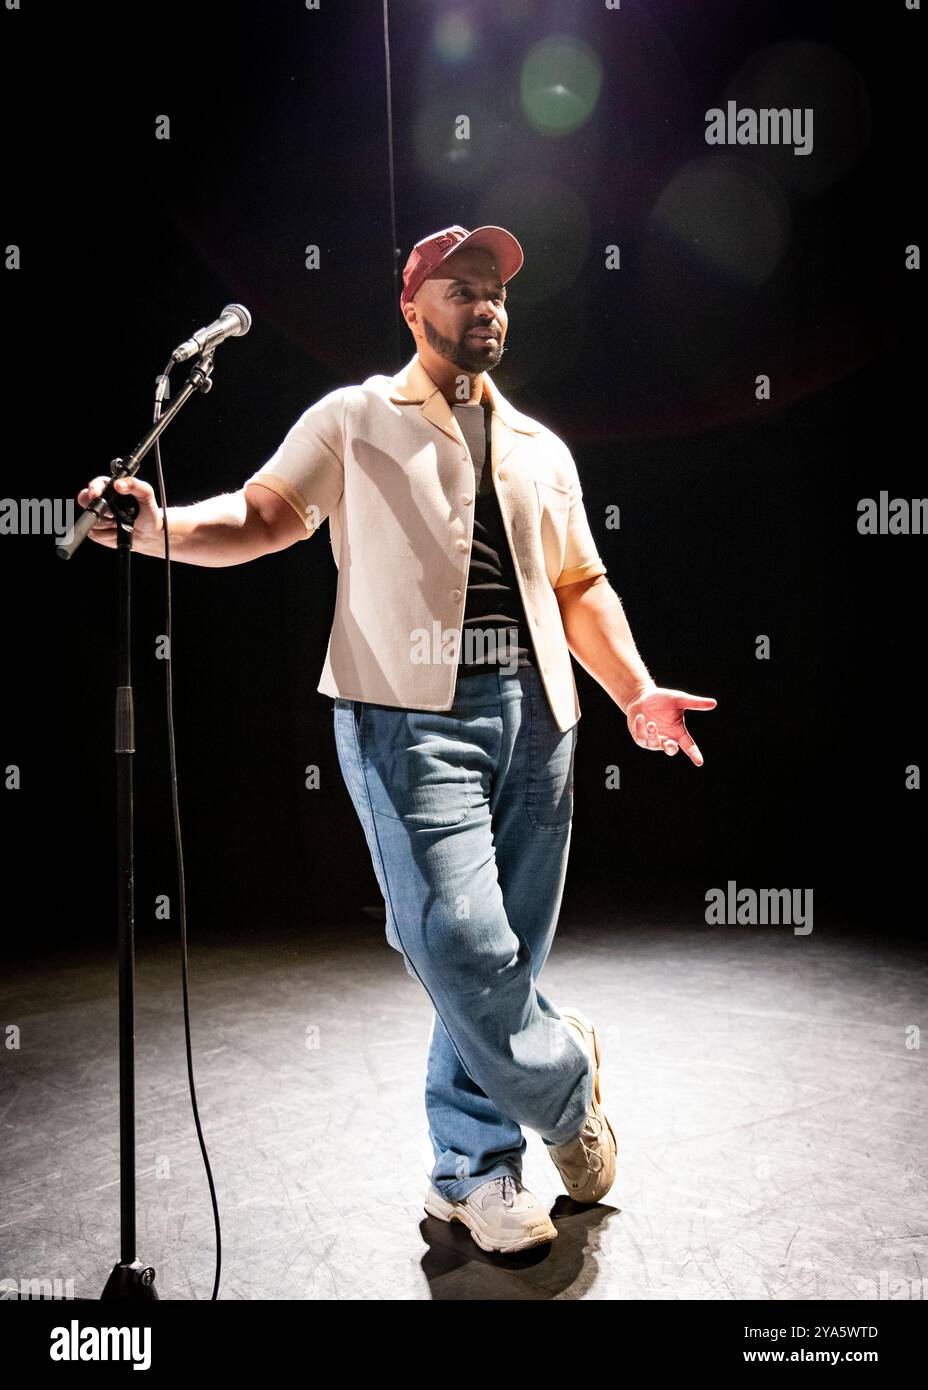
(467, 814)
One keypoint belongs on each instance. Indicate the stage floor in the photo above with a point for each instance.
(769, 1113)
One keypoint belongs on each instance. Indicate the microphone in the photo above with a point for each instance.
(233, 322)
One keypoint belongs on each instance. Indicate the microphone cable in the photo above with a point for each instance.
(161, 390)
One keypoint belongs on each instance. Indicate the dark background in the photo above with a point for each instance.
(738, 518)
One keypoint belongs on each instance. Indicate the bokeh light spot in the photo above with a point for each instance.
(730, 214)
(560, 84)
(454, 38)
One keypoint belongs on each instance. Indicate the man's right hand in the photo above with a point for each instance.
(147, 524)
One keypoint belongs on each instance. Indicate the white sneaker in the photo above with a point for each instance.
(586, 1163)
(501, 1215)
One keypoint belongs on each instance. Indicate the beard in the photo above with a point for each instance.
(464, 354)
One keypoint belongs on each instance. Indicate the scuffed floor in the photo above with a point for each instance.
(770, 1117)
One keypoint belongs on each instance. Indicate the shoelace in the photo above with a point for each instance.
(508, 1194)
(591, 1127)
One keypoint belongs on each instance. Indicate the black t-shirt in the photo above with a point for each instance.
(493, 605)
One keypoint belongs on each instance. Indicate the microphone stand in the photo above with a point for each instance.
(130, 1278)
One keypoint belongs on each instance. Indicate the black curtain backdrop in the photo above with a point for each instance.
(738, 517)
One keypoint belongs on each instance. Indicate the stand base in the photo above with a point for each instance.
(135, 1281)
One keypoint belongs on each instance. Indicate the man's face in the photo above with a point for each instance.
(465, 294)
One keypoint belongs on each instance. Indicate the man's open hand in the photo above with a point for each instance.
(655, 720)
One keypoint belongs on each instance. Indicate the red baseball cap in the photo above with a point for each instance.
(432, 250)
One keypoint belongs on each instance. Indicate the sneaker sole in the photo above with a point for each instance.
(437, 1206)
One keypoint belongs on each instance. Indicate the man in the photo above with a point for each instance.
(467, 575)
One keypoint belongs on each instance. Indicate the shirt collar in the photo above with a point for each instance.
(413, 386)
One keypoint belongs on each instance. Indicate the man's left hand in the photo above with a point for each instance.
(655, 720)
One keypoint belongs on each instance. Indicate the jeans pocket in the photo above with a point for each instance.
(549, 788)
(417, 767)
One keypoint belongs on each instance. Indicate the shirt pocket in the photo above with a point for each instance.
(554, 514)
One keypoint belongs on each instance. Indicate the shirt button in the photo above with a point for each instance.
(502, 477)
(466, 499)
(455, 593)
(461, 544)
(537, 621)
